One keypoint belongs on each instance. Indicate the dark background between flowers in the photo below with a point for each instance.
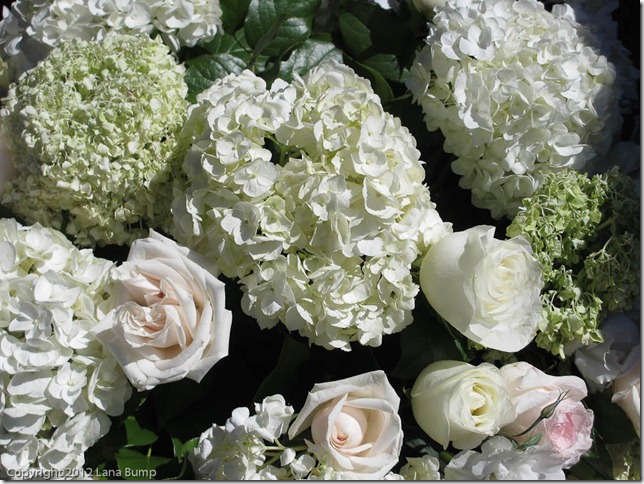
(276, 38)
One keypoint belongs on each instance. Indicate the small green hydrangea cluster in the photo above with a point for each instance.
(585, 233)
(92, 129)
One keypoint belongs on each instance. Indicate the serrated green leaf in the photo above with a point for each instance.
(310, 54)
(135, 466)
(136, 435)
(229, 54)
(233, 13)
(282, 22)
(386, 65)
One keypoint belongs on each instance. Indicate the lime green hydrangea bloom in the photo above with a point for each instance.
(585, 233)
(92, 129)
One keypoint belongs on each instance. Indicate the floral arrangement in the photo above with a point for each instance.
(322, 239)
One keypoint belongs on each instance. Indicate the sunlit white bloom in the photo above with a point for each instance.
(499, 460)
(425, 468)
(459, 403)
(313, 196)
(31, 28)
(57, 385)
(236, 449)
(486, 288)
(168, 318)
(355, 427)
(517, 91)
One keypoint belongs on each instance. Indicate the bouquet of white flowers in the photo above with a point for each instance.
(265, 239)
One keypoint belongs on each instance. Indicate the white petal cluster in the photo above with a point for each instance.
(517, 92)
(313, 196)
(499, 460)
(236, 450)
(31, 28)
(92, 130)
(57, 383)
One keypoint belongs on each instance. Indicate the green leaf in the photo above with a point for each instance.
(228, 55)
(181, 449)
(136, 435)
(135, 466)
(233, 13)
(423, 342)
(355, 34)
(380, 85)
(611, 422)
(387, 66)
(285, 373)
(311, 53)
(533, 440)
(273, 27)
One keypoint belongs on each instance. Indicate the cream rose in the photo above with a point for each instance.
(456, 402)
(169, 319)
(568, 429)
(626, 391)
(488, 289)
(354, 425)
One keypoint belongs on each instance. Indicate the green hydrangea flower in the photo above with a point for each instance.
(92, 129)
(585, 233)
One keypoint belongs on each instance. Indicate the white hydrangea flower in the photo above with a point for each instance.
(313, 196)
(499, 460)
(92, 130)
(424, 468)
(517, 92)
(57, 383)
(236, 450)
(31, 28)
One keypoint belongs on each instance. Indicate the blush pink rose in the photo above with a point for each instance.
(169, 320)
(354, 425)
(568, 429)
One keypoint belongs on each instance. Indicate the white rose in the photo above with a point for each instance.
(354, 424)
(568, 429)
(169, 320)
(462, 403)
(488, 289)
(626, 391)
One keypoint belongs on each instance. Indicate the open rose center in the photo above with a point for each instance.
(345, 431)
(163, 318)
